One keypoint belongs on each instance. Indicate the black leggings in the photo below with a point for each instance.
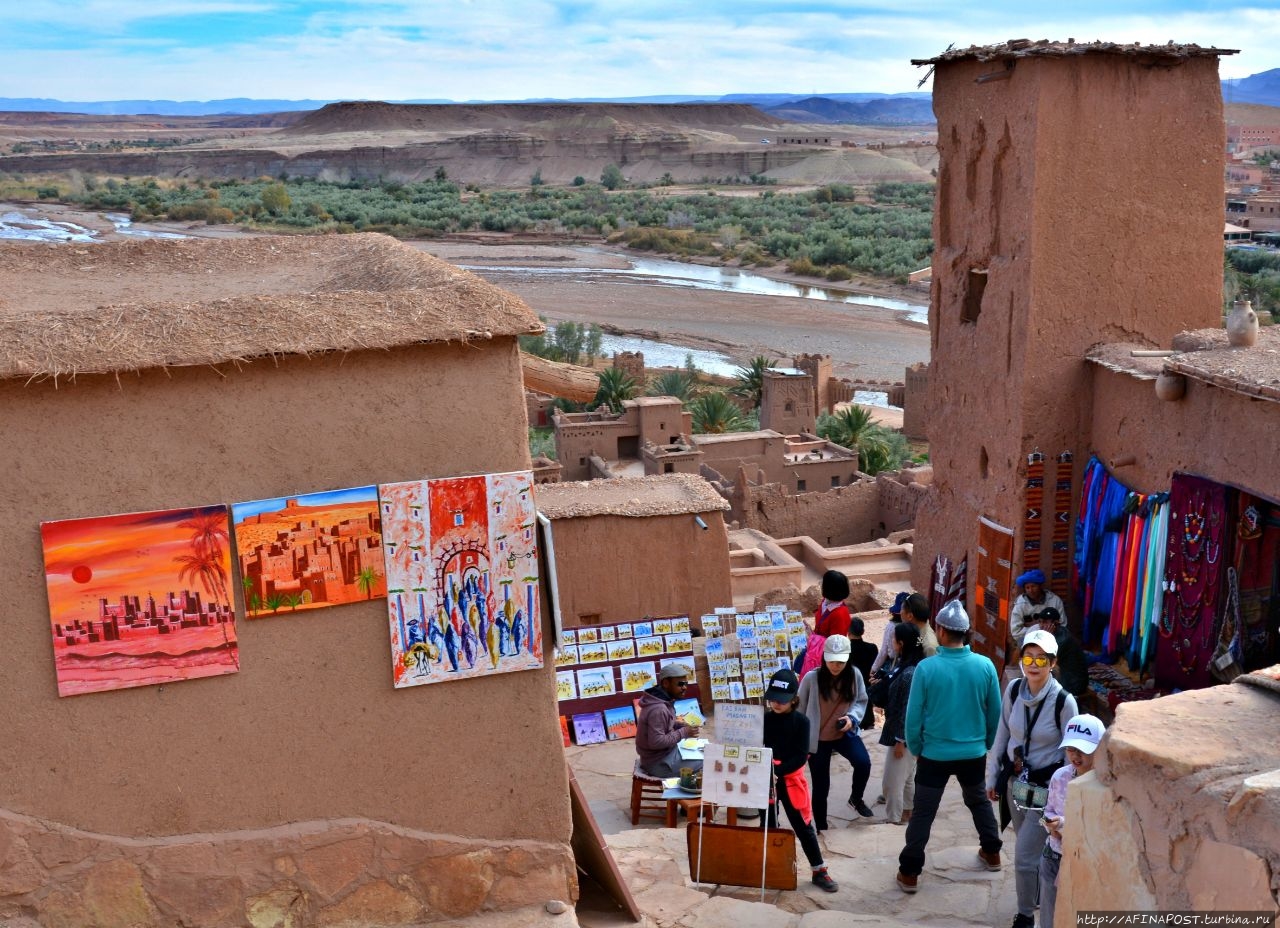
(807, 834)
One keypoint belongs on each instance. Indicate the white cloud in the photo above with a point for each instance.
(488, 49)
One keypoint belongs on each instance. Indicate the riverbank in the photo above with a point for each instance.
(863, 341)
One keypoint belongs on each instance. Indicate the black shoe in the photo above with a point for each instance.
(861, 808)
(1023, 921)
(822, 879)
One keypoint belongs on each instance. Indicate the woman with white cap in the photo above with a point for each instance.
(835, 699)
(1080, 741)
(1028, 750)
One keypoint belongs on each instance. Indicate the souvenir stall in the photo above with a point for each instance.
(1177, 590)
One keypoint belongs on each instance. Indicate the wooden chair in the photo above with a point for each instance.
(646, 798)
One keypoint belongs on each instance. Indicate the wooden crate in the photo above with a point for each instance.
(732, 855)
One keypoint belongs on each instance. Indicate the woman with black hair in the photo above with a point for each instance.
(834, 698)
(832, 616)
(898, 785)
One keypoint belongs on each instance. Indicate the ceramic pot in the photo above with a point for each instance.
(1242, 325)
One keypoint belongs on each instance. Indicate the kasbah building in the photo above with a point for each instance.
(1078, 221)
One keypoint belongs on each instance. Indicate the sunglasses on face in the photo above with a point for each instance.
(1028, 661)
(682, 683)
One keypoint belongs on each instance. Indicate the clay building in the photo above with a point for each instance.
(1078, 265)
(632, 547)
(152, 375)
(787, 402)
(650, 435)
(631, 363)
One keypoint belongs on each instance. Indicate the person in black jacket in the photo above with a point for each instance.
(786, 733)
(1073, 666)
(898, 785)
(862, 654)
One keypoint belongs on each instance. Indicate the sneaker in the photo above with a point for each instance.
(991, 859)
(1023, 921)
(861, 808)
(907, 883)
(879, 801)
(906, 817)
(822, 880)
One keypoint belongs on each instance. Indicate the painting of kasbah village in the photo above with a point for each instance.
(140, 598)
(462, 577)
(311, 550)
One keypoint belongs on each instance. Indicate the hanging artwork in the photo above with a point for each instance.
(311, 550)
(462, 577)
(140, 599)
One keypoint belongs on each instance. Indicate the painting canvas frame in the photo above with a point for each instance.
(140, 598)
(463, 588)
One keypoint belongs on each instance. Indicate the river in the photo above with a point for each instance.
(701, 277)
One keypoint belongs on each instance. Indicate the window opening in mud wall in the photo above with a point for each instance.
(983, 463)
(975, 287)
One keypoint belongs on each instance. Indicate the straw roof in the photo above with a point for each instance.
(636, 497)
(1043, 48)
(91, 309)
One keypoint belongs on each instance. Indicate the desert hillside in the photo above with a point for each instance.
(495, 144)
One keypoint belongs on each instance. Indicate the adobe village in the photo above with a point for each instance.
(303, 633)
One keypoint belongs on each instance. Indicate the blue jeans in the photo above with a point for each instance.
(850, 747)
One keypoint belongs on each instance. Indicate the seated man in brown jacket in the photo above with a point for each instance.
(659, 732)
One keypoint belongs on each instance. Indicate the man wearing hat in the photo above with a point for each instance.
(1031, 600)
(952, 716)
(659, 734)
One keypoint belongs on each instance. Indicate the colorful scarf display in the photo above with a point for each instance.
(1119, 564)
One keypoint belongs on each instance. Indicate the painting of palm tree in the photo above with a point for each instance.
(140, 599)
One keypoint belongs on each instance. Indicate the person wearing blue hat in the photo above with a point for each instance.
(1033, 598)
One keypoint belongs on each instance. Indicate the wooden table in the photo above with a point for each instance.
(694, 806)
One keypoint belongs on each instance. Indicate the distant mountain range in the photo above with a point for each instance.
(899, 110)
(1261, 88)
(855, 108)
(241, 105)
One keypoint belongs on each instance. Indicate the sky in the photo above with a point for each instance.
(88, 50)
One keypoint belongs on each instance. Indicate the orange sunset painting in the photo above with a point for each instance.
(140, 598)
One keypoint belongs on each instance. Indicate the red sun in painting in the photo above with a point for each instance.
(82, 574)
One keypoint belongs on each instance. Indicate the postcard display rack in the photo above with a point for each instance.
(766, 642)
(602, 670)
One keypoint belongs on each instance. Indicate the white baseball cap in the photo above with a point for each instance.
(837, 649)
(1042, 639)
(1083, 733)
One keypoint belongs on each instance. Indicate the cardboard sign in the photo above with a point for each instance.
(740, 724)
(737, 775)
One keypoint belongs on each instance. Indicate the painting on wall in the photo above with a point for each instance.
(462, 577)
(309, 551)
(140, 598)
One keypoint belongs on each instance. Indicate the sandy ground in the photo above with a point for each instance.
(863, 341)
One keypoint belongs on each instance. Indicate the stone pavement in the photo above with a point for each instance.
(862, 855)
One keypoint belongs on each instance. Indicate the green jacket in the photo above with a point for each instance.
(954, 708)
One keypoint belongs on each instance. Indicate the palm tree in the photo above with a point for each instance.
(275, 601)
(366, 580)
(247, 583)
(673, 383)
(714, 413)
(206, 563)
(853, 428)
(293, 600)
(750, 379)
(615, 387)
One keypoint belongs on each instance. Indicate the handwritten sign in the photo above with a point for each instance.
(739, 724)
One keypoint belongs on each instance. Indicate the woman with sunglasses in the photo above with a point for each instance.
(1028, 741)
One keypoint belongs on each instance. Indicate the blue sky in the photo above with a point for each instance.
(242, 511)
(499, 49)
